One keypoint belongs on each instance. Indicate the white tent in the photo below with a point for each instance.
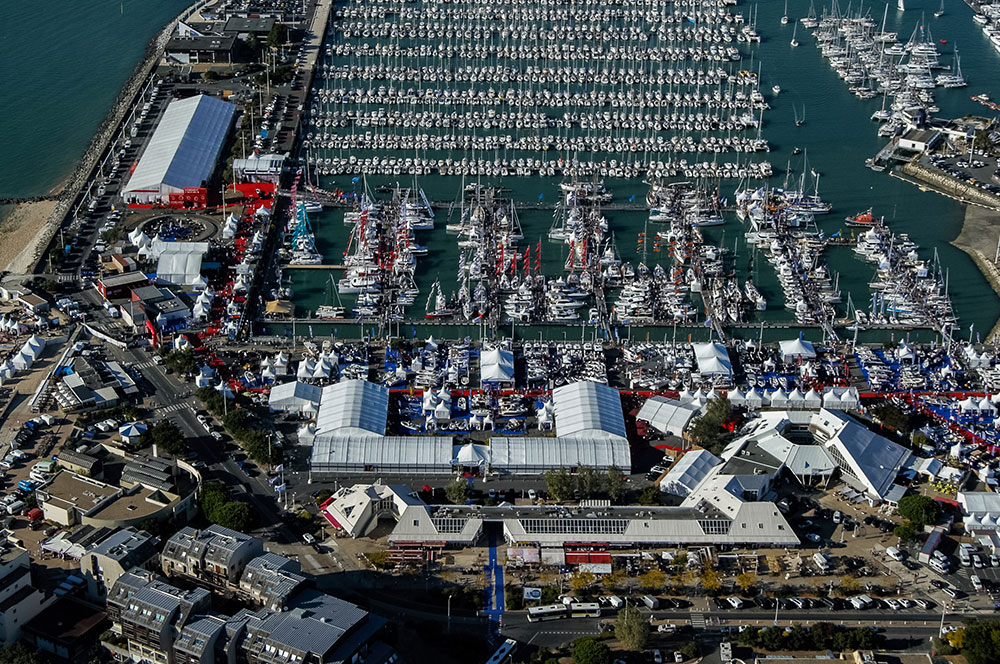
(985, 406)
(737, 398)
(666, 415)
(472, 456)
(968, 405)
(904, 353)
(713, 359)
(321, 370)
(23, 362)
(497, 366)
(754, 399)
(306, 368)
(442, 412)
(812, 399)
(793, 349)
(778, 398)
(130, 432)
(201, 310)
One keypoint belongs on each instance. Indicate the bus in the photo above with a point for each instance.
(585, 610)
(549, 612)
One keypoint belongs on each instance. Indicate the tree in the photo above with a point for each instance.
(278, 35)
(235, 516)
(167, 438)
(905, 531)
(649, 496)
(589, 482)
(614, 580)
(710, 580)
(689, 650)
(615, 484)
(560, 484)
(457, 491)
(18, 653)
(957, 638)
(252, 44)
(653, 579)
(746, 581)
(920, 510)
(631, 629)
(681, 559)
(210, 75)
(981, 641)
(580, 581)
(589, 650)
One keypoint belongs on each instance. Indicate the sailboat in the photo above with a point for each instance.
(784, 15)
(794, 42)
(940, 12)
(900, 6)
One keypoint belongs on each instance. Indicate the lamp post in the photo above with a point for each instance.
(449, 614)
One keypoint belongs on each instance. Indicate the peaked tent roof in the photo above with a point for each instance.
(353, 406)
(667, 415)
(185, 144)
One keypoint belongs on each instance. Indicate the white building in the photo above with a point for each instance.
(183, 150)
(20, 601)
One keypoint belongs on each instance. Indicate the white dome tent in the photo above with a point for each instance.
(471, 455)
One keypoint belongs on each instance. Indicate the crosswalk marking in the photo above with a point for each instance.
(697, 619)
(144, 365)
(174, 407)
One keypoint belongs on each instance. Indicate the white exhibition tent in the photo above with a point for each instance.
(794, 349)
(183, 150)
(297, 397)
(712, 359)
(667, 415)
(497, 366)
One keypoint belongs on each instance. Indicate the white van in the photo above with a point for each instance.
(977, 583)
(941, 566)
(894, 553)
(616, 601)
(735, 602)
(821, 561)
(861, 602)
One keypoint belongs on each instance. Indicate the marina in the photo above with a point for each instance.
(434, 125)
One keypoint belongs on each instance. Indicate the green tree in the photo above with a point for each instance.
(235, 516)
(615, 484)
(18, 653)
(982, 641)
(457, 491)
(905, 531)
(278, 35)
(650, 496)
(589, 650)
(849, 584)
(210, 75)
(167, 438)
(559, 484)
(919, 509)
(631, 629)
(689, 650)
(589, 482)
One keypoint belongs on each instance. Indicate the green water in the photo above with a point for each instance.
(838, 136)
(62, 65)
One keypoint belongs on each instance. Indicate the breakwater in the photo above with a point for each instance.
(950, 186)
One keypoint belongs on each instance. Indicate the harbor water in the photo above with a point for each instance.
(837, 136)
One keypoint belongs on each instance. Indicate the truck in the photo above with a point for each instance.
(616, 601)
(652, 603)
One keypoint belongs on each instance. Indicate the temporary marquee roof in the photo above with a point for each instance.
(295, 396)
(185, 145)
(796, 348)
(180, 268)
(713, 359)
(497, 366)
(524, 454)
(586, 408)
(354, 406)
(667, 415)
(373, 453)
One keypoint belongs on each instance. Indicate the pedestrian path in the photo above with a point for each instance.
(493, 590)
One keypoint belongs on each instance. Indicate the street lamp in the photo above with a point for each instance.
(449, 614)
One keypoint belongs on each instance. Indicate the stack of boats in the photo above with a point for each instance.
(906, 290)
(873, 62)
(609, 90)
(792, 244)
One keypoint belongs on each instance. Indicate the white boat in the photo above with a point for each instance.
(900, 6)
(776, 89)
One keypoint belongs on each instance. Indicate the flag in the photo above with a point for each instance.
(280, 467)
(631, 198)
(280, 487)
(540, 196)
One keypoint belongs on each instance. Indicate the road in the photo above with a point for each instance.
(174, 400)
(920, 626)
